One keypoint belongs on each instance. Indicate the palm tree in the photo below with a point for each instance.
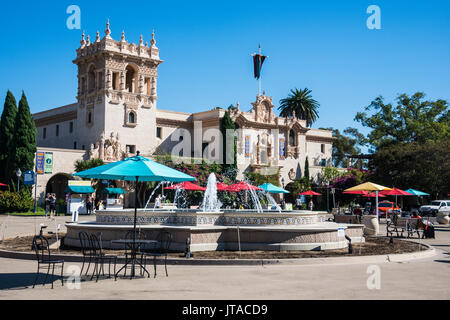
(300, 102)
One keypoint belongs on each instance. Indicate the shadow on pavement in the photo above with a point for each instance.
(17, 281)
(443, 261)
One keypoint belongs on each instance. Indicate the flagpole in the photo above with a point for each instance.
(259, 79)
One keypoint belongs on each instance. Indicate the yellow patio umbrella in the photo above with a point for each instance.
(369, 186)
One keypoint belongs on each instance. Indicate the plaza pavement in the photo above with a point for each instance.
(415, 279)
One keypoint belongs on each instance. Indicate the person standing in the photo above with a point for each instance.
(52, 205)
(47, 204)
(299, 202)
(311, 205)
(89, 205)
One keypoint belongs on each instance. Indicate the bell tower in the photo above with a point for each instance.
(117, 92)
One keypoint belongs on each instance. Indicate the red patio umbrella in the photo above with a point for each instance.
(395, 192)
(186, 185)
(373, 195)
(310, 193)
(362, 192)
(222, 186)
(240, 186)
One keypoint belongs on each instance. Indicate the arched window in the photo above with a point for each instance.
(131, 82)
(131, 117)
(90, 117)
(291, 138)
(91, 78)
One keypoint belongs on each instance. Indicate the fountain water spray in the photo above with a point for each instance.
(272, 202)
(211, 202)
(255, 198)
(151, 195)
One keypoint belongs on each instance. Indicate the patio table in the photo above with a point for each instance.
(133, 245)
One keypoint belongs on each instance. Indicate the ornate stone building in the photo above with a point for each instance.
(116, 114)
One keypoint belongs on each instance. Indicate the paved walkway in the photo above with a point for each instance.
(417, 279)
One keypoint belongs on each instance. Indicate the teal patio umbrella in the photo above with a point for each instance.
(268, 187)
(417, 192)
(137, 169)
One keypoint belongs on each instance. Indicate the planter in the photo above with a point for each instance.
(442, 218)
(371, 225)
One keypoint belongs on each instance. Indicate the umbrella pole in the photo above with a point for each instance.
(134, 226)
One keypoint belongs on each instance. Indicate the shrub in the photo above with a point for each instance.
(16, 202)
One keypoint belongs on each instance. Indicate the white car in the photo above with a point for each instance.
(434, 207)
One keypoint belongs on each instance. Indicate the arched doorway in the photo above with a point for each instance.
(57, 184)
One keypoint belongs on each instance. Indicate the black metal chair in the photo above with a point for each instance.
(100, 258)
(44, 258)
(161, 249)
(86, 249)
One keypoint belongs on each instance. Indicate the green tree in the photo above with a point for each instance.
(302, 103)
(82, 165)
(227, 124)
(346, 143)
(7, 127)
(306, 175)
(423, 166)
(412, 119)
(23, 147)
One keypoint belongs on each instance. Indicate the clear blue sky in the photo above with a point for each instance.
(206, 47)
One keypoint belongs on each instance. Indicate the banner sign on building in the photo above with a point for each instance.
(247, 146)
(40, 160)
(48, 168)
(282, 149)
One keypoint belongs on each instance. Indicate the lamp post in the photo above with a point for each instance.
(328, 197)
(282, 183)
(18, 173)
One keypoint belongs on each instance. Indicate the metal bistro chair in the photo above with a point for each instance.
(44, 258)
(100, 258)
(86, 249)
(162, 248)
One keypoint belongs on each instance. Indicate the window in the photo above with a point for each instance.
(115, 81)
(57, 130)
(323, 163)
(322, 148)
(159, 132)
(89, 117)
(82, 147)
(131, 148)
(71, 127)
(291, 138)
(147, 86)
(131, 117)
(44, 133)
(131, 79)
(75, 145)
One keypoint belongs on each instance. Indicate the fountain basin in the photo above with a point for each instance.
(293, 230)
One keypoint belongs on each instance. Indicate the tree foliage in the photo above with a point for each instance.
(412, 119)
(23, 146)
(302, 103)
(7, 129)
(225, 125)
(422, 166)
(306, 175)
(346, 143)
(82, 165)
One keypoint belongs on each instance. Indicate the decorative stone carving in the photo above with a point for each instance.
(109, 150)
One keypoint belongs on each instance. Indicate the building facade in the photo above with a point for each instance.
(116, 115)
